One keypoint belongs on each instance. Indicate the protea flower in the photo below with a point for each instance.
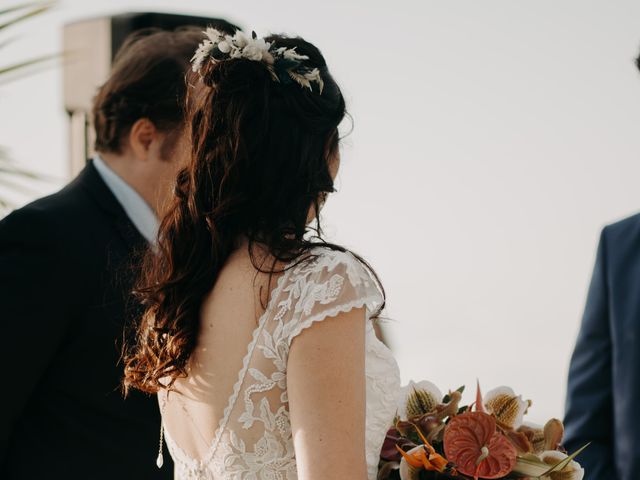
(508, 408)
(418, 399)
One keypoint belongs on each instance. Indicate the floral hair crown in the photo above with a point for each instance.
(284, 64)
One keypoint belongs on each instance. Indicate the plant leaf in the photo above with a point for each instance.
(28, 63)
(35, 11)
(530, 465)
(21, 6)
(16, 187)
(7, 41)
(560, 465)
(26, 174)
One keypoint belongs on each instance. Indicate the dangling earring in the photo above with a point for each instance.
(323, 199)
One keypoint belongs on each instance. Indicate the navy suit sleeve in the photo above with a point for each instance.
(589, 407)
(34, 310)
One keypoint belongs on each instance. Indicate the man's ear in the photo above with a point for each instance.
(143, 132)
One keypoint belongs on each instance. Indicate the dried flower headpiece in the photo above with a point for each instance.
(284, 64)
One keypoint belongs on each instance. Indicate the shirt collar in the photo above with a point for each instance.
(137, 209)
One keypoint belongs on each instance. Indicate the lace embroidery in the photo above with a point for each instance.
(253, 439)
(243, 371)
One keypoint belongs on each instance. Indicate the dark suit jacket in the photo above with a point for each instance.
(65, 277)
(603, 401)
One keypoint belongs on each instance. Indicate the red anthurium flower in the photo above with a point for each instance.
(473, 443)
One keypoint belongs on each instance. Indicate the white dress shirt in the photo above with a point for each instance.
(136, 208)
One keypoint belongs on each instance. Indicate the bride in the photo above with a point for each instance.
(257, 335)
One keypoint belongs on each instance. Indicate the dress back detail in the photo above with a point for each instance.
(253, 439)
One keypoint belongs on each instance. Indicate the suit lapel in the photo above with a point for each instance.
(90, 179)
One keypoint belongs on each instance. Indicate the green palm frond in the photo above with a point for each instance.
(6, 42)
(28, 63)
(21, 6)
(29, 10)
(8, 167)
(16, 186)
(14, 178)
(25, 11)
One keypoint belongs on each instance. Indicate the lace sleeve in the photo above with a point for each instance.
(333, 283)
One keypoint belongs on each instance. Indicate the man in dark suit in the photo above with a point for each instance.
(66, 270)
(603, 401)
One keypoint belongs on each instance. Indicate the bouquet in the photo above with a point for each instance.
(435, 437)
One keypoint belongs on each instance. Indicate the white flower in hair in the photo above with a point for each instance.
(256, 49)
(213, 34)
(240, 39)
(224, 46)
(230, 46)
(305, 79)
(202, 53)
(283, 63)
(291, 54)
(312, 76)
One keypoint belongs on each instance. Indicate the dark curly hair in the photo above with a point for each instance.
(260, 162)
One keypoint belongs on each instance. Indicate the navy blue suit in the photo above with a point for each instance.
(603, 398)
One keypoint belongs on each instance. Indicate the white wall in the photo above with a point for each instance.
(492, 142)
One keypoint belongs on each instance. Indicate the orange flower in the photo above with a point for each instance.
(423, 457)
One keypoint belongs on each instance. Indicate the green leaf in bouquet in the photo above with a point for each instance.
(463, 409)
(532, 466)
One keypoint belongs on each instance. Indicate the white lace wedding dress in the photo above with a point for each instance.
(253, 437)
